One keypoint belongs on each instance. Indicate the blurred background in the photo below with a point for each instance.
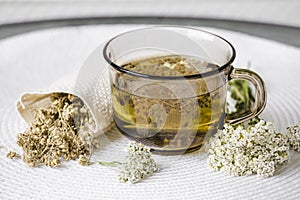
(284, 12)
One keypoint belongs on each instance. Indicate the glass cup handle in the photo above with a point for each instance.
(260, 97)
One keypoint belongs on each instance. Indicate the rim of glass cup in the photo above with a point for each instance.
(193, 76)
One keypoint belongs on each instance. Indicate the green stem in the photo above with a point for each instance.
(110, 164)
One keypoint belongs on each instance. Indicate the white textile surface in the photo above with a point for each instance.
(34, 60)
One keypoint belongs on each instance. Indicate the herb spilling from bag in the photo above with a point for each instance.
(61, 131)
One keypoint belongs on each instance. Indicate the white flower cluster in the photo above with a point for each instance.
(294, 137)
(139, 164)
(240, 151)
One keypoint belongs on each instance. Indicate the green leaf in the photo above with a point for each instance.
(241, 92)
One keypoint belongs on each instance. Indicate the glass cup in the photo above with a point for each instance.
(169, 86)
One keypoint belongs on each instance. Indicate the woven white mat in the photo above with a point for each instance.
(34, 60)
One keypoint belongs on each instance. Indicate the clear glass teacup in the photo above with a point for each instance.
(169, 86)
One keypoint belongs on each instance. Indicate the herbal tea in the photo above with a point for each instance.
(169, 116)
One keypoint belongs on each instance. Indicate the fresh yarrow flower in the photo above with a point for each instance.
(139, 164)
(240, 151)
(294, 137)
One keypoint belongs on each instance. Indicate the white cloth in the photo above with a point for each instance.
(34, 60)
(90, 83)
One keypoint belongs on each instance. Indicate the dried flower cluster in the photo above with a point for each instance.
(240, 151)
(60, 131)
(294, 137)
(12, 155)
(139, 164)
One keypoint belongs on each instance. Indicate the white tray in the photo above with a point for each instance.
(34, 60)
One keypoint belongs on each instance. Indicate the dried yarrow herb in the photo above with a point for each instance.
(12, 155)
(61, 131)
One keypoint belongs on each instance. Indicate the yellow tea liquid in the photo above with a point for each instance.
(155, 115)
